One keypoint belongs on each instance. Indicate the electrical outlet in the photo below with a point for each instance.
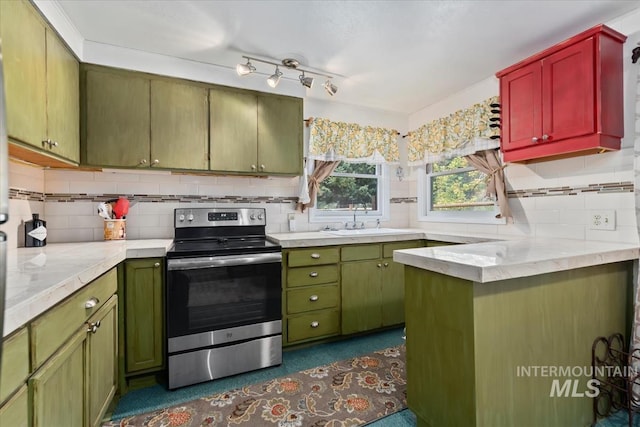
(602, 220)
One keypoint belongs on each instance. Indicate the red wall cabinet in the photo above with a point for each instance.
(565, 100)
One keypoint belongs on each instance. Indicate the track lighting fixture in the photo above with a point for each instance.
(274, 79)
(244, 69)
(330, 87)
(306, 81)
(289, 64)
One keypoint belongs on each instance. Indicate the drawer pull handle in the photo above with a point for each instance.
(313, 274)
(93, 326)
(91, 302)
(313, 298)
(315, 256)
(315, 324)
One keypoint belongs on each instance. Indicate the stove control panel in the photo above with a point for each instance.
(219, 217)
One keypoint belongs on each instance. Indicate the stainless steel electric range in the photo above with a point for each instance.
(223, 293)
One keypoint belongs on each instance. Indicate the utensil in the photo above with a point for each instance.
(121, 207)
(104, 210)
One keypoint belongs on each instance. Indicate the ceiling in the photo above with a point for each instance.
(400, 56)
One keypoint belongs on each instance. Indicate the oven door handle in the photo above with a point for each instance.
(223, 261)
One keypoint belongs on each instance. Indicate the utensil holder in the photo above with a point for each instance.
(115, 229)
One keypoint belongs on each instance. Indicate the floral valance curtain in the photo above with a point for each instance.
(351, 142)
(459, 134)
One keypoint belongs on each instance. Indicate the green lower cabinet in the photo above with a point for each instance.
(102, 374)
(144, 315)
(15, 411)
(58, 388)
(392, 292)
(361, 296)
(466, 341)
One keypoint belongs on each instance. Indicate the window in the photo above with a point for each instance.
(454, 191)
(358, 186)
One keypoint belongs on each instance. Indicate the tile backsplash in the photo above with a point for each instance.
(67, 200)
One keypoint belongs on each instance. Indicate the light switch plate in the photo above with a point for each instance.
(602, 220)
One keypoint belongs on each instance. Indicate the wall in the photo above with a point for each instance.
(555, 198)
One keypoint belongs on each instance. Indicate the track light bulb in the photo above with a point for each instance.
(330, 87)
(244, 69)
(306, 81)
(274, 79)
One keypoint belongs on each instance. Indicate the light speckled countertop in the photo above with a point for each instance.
(38, 278)
(326, 238)
(499, 260)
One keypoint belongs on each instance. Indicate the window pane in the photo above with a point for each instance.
(359, 168)
(451, 164)
(341, 192)
(463, 191)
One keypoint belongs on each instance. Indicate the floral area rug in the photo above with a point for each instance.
(347, 393)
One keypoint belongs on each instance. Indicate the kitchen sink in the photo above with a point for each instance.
(365, 231)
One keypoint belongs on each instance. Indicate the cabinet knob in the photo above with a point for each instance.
(313, 274)
(93, 326)
(313, 298)
(261, 167)
(379, 265)
(386, 264)
(156, 265)
(545, 137)
(142, 162)
(315, 324)
(253, 167)
(50, 143)
(155, 162)
(534, 139)
(315, 256)
(91, 302)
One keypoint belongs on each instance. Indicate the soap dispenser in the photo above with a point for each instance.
(35, 232)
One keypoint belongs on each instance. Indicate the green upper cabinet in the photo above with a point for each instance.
(41, 83)
(24, 60)
(116, 118)
(179, 125)
(233, 127)
(255, 133)
(279, 134)
(63, 99)
(133, 120)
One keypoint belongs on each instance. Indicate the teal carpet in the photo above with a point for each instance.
(157, 397)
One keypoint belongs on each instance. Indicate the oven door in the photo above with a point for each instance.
(206, 294)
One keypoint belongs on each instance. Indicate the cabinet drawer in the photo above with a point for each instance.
(312, 275)
(15, 363)
(313, 256)
(53, 328)
(388, 248)
(360, 252)
(313, 325)
(312, 298)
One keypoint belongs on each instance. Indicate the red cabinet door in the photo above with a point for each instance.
(568, 93)
(521, 98)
